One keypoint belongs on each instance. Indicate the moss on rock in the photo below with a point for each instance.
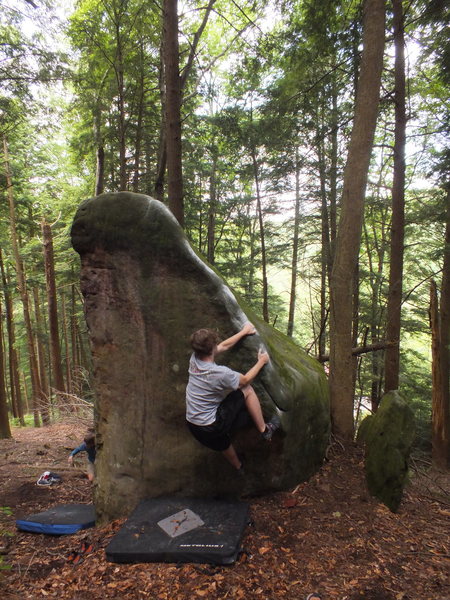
(389, 435)
(145, 291)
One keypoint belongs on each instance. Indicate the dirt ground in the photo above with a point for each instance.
(326, 536)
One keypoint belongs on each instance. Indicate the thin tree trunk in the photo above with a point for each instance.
(14, 380)
(439, 418)
(74, 362)
(100, 171)
(40, 328)
(445, 330)
(349, 235)
(374, 324)
(161, 163)
(5, 430)
(333, 170)
(25, 390)
(120, 76)
(211, 236)
(36, 385)
(139, 125)
(392, 355)
(65, 331)
(265, 290)
(173, 110)
(295, 243)
(100, 167)
(440, 330)
(252, 252)
(325, 250)
(55, 349)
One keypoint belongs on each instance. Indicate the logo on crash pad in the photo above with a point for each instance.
(181, 522)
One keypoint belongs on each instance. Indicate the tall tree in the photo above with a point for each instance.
(350, 222)
(440, 332)
(173, 97)
(14, 380)
(392, 353)
(21, 281)
(55, 349)
(295, 244)
(5, 430)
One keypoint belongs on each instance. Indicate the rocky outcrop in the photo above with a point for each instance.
(145, 291)
(388, 436)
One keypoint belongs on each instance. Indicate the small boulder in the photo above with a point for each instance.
(388, 435)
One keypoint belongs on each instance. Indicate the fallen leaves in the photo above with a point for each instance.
(315, 538)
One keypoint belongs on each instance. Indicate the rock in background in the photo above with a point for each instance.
(145, 292)
(388, 435)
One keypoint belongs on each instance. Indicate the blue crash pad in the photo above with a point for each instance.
(59, 520)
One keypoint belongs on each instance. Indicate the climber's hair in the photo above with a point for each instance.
(89, 438)
(203, 342)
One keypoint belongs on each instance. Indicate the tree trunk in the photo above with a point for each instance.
(333, 169)
(161, 163)
(14, 379)
(445, 329)
(74, 360)
(55, 348)
(121, 110)
(211, 236)
(173, 110)
(295, 242)
(65, 342)
(35, 382)
(392, 355)
(265, 305)
(100, 171)
(139, 124)
(100, 167)
(40, 329)
(349, 235)
(440, 415)
(5, 431)
(440, 329)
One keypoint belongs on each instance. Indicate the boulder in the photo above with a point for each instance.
(145, 291)
(388, 435)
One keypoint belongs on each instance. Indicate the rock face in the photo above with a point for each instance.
(388, 436)
(145, 292)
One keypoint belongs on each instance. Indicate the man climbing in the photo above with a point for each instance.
(216, 396)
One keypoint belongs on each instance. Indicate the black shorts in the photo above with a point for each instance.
(231, 414)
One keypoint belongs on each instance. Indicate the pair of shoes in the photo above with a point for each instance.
(48, 478)
(271, 427)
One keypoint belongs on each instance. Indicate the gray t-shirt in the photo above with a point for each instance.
(208, 385)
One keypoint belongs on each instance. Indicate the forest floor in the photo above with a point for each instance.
(326, 536)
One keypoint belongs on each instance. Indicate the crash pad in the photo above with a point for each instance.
(180, 530)
(62, 519)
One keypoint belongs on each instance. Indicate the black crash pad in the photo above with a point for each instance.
(180, 530)
(59, 520)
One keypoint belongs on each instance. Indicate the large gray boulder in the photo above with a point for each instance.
(145, 291)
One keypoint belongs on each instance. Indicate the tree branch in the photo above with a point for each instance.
(362, 350)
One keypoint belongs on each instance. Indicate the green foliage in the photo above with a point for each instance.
(278, 86)
(28, 421)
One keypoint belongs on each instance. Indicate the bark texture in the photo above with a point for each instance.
(342, 366)
(394, 304)
(145, 291)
